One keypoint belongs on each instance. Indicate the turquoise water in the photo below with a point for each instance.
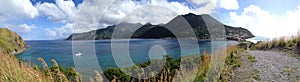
(62, 52)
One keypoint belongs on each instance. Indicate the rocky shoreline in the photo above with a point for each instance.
(18, 52)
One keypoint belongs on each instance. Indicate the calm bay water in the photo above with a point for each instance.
(61, 51)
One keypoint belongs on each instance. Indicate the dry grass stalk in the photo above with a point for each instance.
(13, 70)
(98, 77)
(115, 79)
(91, 79)
(76, 75)
(59, 76)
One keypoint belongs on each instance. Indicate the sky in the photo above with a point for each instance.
(57, 19)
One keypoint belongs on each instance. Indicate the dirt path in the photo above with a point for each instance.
(275, 66)
(245, 72)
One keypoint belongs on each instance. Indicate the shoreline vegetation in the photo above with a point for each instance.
(287, 44)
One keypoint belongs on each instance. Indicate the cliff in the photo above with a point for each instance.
(11, 42)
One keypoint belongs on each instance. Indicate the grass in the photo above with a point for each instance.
(58, 73)
(11, 70)
(289, 70)
(282, 43)
(233, 56)
(256, 75)
(231, 62)
(251, 58)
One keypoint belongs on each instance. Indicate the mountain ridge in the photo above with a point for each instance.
(204, 27)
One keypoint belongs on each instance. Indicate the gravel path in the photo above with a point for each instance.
(276, 66)
(244, 73)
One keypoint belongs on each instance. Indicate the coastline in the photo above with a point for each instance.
(19, 51)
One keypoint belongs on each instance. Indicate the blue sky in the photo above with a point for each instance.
(57, 19)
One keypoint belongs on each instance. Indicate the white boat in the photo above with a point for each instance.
(78, 54)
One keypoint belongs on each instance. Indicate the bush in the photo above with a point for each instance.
(116, 73)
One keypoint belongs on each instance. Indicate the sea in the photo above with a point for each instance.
(112, 54)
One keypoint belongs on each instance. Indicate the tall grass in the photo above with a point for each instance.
(58, 73)
(281, 43)
(11, 70)
(231, 62)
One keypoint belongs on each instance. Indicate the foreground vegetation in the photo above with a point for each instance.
(231, 62)
(217, 67)
(11, 70)
(170, 71)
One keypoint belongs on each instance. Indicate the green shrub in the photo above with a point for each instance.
(111, 73)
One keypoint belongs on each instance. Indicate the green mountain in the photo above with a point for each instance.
(203, 26)
(11, 42)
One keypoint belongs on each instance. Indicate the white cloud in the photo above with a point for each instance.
(89, 15)
(94, 14)
(18, 9)
(14, 12)
(263, 23)
(63, 11)
(51, 11)
(210, 5)
(140, 12)
(152, 14)
(228, 4)
(156, 12)
(26, 28)
(61, 32)
(289, 23)
(209, 8)
(200, 1)
(22, 28)
(67, 6)
(179, 8)
(91, 12)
